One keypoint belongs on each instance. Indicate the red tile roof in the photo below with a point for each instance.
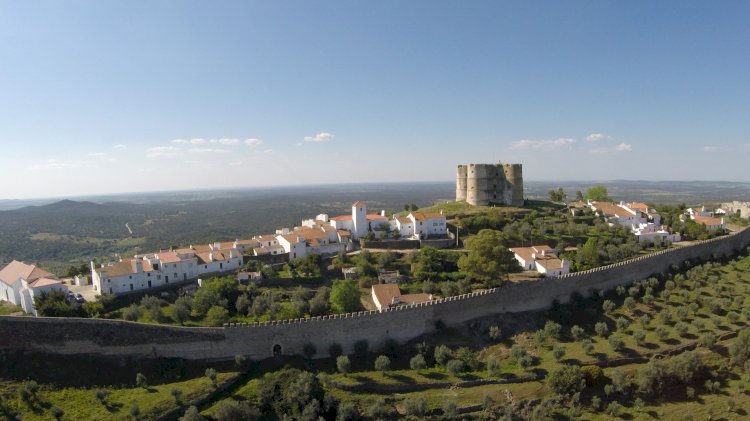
(359, 204)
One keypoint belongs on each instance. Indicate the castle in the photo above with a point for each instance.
(484, 184)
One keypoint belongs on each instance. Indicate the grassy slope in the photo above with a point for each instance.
(81, 404)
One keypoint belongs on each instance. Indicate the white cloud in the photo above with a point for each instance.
(198, 141)
(120, 146)
(207, 150)
(235, 163)
(97, 154)
(53, 164)
(253, 142)
(711, 148)
(624, 147)
(181, 141)
(320, 137)
(163, 152)
(550, 144)
(595, 137)
(226, 141)
(268, 151)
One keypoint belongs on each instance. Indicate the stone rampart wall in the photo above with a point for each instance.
(257, 341)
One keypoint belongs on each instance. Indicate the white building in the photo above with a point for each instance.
(428, 224)
(162, 268)
(21, 283)
(643, 221)
(541, 258)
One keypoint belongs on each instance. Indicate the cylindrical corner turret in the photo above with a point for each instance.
(461, 183)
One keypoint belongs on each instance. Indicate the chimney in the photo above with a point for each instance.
(533, 256)
(382, 212)
(441, 211)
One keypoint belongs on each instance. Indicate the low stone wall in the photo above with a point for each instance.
(260, 341)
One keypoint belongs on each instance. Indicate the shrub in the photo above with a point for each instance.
(455, 367)
(132, 313)
(681, 328)
(587, 346)
(614, 409)
(733, 316)
(493, 366)
(708, 339)
(135, 411)
(622, 323)
(415, 406)
(211, 375)
(662, 333)
(382, 363)
(495, 333)
(629, 303)
(601, 329)
(608, 306)
(417, 363)
(644, 321)
(450, 410)
(552, 329)
(343, 365)
(217, 316)
(347, 411)
(141, 380)
(558, 351)
(616, 343)
(566, 380)
(592, 374)
(665, 317)
(577, 332)
(229, 410)
(379, 409)
(101, 395)
(443, 354)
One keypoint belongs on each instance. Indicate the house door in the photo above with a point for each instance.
(166, 279)
(149, 284)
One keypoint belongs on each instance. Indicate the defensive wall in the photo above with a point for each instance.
(263, 340)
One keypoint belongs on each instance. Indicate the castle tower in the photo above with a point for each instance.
(514, 177)
(461, 183)
(359, 217)
(484, 184)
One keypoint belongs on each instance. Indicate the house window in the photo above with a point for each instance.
(131, 287)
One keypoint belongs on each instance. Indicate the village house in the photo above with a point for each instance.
(389, 295)
(542, 259)
(644, 222)
(21, 283)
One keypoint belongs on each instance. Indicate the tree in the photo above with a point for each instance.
(217, 316)
(229, 410)
(214, 292)
(135, 411)
(382, 363)
(588, 255)
(557, 195)
(489, 258)
(566, 380)
(740, 348)
(132, 312)
(347, 411)
(141, 380)
(597, 194)
(577, 332)
(343, 365)
(211, 374)
(55, 304)
(442, 354)
(181, 310)
(417, 363)
(345, 296)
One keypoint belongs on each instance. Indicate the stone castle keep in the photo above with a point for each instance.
(484, 184)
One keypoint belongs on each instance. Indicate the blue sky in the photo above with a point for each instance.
(104, 97)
